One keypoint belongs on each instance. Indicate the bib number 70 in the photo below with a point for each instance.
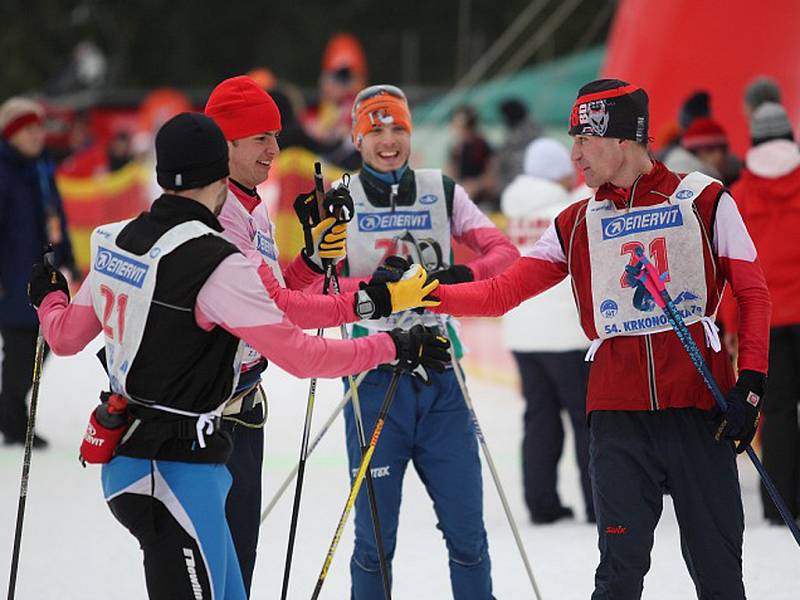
(657, 250)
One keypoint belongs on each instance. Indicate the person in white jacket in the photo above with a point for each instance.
(545, 337)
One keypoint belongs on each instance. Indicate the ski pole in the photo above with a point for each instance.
(311, 447)
(49, 257)
(301, 465)
(319, 193)
(362, 441)
(323, 430)
(650, 278)
(490, 462)
(358, 479)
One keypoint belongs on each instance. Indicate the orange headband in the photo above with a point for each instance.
(383, 109)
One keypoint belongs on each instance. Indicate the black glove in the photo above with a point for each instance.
(453, 274)
(390, 271)
(421, 347)
(373, 300)
(337, 203)
(45, 279)
(740, 421)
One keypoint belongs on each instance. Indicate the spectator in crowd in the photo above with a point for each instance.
(758, 91)
(470, 156)
(675, 156)
(339, 152)
(119, 151)
(344, 73)
(549, 351)
(521, 131)
(696, 106)
(708, 141)
(768, 195)
(31, 216)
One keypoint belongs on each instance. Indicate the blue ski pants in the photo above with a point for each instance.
(176, 511)
(430, 426)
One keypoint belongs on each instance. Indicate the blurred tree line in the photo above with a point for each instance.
(191, 44)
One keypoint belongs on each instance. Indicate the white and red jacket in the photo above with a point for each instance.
(546, 323)
(644, 372)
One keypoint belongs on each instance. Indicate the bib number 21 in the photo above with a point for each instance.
(113, 302)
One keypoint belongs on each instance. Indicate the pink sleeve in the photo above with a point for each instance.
(233, 298)
(305, 310)
(496, 296)
(739, 265)
(236, 231)
(300, 276)
(309, 310)
(346, 284)
(69, 326)
(473, 228)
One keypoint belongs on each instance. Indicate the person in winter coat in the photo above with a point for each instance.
(768, 195)
(549, 351)
(31, 216)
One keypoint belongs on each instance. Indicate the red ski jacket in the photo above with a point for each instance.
(646, 372)
(770, 208)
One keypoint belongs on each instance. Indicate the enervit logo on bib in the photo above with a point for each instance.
(401, 220)
(644, 220)
(120, 267)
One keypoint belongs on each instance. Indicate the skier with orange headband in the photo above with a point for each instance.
(413, 215)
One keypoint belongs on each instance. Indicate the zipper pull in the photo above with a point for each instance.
(393, 195)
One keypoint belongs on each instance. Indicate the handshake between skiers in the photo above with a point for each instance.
(396, 286)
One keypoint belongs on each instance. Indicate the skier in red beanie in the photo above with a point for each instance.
(251, 122)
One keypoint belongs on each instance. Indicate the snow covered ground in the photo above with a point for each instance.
(74, 549)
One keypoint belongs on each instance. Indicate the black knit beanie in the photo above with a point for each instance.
(611, 108)
(191, 152)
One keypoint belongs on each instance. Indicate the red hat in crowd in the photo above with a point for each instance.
(704, 133)
(19, 112)
(242, 108)
(344, 51)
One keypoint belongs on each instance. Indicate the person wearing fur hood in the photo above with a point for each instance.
(768, 195)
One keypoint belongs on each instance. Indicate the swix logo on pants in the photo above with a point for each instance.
(616, 530)
(188, 555)
(376, 472)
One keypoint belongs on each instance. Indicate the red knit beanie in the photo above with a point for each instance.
(241, 108)
(704, 133)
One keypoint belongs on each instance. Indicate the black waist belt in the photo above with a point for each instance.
(181, 429)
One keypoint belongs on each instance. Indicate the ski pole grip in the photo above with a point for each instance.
(319, 190)
(49, 256)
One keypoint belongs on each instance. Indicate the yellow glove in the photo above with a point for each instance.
(330, 241)
(411, 290)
